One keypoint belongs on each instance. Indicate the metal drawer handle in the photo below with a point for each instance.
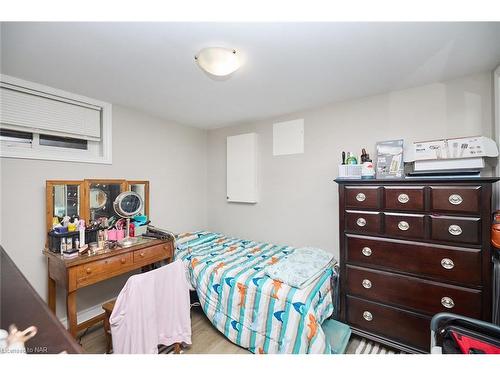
(142, 254)
(367, 316)
(403, 225)
(403, 198)
(367, 284)
(455, 230)
(89, 270)
(366, 251)
(447, 263)
(360, 197)
(447, 302)
(361, 222)
(455, 199)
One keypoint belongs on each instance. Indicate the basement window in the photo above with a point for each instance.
(54, 141)
(41, 122)
(15, 137)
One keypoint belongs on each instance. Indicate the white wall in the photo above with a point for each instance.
(298, 198)
(172, 157)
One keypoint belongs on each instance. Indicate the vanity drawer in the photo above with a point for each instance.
(102, 269)
(455, 264)
(362, 197)
(149, 254)
(456, 229)
(411, 226)
(456, 199)
(409, 292)
(404, 199)
(362, 221)
(389, 322)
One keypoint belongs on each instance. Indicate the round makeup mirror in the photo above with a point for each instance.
(127, 205)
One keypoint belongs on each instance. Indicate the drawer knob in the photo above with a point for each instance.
(367, 284)
(447, 302)
(366, 251)
(88, 270)
(367, 316)
(455, 230)
(122, 260)
(455, 199)
(360, 197)
(403, 198)
(403, 225)
(361, 222)
(142, 254)
(447, 263)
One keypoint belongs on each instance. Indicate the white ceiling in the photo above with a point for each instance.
(288, 66)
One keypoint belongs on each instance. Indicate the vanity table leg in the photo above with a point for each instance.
(71, 313)
(52, 294)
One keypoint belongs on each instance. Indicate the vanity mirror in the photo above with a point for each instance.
(101, 195)
(64, 198)
(91, 199)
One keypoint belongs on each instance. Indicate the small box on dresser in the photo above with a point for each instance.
(410, 249)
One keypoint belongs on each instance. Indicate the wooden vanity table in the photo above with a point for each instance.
(92, 199)
(84, 270)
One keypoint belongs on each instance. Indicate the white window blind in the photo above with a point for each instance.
(32, 111)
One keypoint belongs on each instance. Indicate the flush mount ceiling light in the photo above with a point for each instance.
(218, 61)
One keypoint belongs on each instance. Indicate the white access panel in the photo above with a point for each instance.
(242, 168)
(288, 137)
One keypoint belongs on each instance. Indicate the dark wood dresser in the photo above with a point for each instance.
(410, 249)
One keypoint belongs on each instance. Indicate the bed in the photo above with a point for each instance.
(251, 309)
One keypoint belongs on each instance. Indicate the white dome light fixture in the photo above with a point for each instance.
(218, 61)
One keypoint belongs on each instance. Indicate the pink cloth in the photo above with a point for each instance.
(152, 309)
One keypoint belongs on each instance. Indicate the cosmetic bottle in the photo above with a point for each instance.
(63, 245)
(81, 227)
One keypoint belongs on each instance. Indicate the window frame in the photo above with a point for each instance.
(42, 152)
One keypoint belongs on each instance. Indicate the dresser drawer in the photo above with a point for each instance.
(446, 263)
(456, 199)
(362, 197)
(412, 293)
(150, 254)
(410, 226)
(404, 199)
(362, 221)
(456, 229)
(389, 322)
(92, 272)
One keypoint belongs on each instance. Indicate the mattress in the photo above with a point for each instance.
(248, 307)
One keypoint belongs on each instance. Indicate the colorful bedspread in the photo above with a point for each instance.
(247, 306)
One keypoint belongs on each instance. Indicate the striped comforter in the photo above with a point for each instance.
(251, 309)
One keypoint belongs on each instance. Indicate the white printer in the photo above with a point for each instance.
(452, 155)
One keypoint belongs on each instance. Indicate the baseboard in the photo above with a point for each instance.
(84, 314)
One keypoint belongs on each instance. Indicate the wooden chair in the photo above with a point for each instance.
(108, 309)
